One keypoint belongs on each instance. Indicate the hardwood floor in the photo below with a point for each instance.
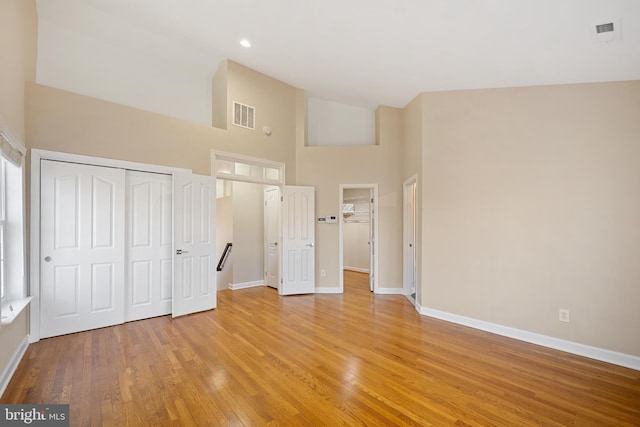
(351, 359)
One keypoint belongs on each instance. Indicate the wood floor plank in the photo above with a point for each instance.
(351, 359)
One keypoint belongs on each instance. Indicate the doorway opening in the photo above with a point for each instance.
(240, 226)
(241, 184)
(358, 231)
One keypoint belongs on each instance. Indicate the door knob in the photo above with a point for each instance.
(47, 259)
(309, 244)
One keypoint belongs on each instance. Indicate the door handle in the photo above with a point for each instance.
(309, 244)
(47, 259)
(180, 252)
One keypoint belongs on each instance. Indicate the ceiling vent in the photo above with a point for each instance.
(244, 115)
(606, 31)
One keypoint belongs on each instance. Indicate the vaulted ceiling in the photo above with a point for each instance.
(371, 52)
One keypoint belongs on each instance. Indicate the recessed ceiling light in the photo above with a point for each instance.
(245, 43)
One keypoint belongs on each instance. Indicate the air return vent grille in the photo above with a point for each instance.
(244, 115)
(604, 28)
(606, 31)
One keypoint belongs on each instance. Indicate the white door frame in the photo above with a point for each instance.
(278, 242)
(407, 239)
(375, 243)
(233, 167)
(34, 257)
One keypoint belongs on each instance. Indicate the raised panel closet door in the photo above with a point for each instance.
(82, 247)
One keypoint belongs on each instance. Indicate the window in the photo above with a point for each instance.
(236, 167)
(12, 228)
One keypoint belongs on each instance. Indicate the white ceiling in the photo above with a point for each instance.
(371, 52)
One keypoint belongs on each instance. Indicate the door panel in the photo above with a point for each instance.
(298, 240)
(272, 236)
(148, 242)
(373, 240)
(410, 261)
(194, 279)
(82, 247)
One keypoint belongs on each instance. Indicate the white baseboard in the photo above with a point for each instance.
(236, 286)
(13, 364)
(620, 359)
(356, 269)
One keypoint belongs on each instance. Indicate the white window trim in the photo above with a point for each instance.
(218, 156)
(14, 300)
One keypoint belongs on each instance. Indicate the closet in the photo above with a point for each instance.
(106, 249)
(356, 215)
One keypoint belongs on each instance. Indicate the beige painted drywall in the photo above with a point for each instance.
(530, 204)
(326, 168)
(275, 107)
(412, 141)
(18, 34)
(11, 336)
(219, 97)
(224, 235)
(248, 232)
(68, 122)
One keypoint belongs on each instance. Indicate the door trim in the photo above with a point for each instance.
(278, 233)
(373, 269)
(406, 216)
(34, 228)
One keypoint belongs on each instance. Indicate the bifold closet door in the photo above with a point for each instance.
(149, 231)
(82, 247)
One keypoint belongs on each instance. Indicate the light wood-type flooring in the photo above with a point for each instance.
(313, 360)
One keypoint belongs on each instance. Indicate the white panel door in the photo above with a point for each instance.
(149, 228)
(410, 260)
(82, 247)
(194, 243)
(272, 236)
(372, 242)
(298, 239)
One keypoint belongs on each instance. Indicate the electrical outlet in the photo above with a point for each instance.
(323, 273)
(563, 315)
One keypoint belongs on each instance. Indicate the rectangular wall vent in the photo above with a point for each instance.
(604, 28)
(244, 115)
(606, 31)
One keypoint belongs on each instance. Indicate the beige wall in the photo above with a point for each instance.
(530, 204)
(326, 168)
(224, 235)
(219, 97)
(412, 141)
(275, 106)
(18, 34)
(11, 336)
(248, 232)
(68, 122)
